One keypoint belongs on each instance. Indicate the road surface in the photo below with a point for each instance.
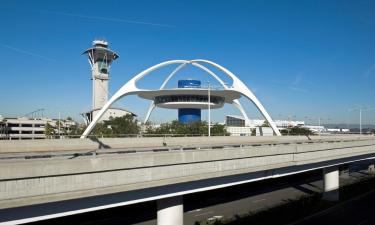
(219, 203)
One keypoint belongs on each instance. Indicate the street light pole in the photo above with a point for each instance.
(360, 109)
(59, 126)
(319, 126)
(360, 120)
(209, 109)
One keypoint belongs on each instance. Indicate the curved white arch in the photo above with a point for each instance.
(174, 72)
(152, 104)
(238, 85)
(238, 105)
(131, 88)
(128, 88)
(149, 111)
(236, 102)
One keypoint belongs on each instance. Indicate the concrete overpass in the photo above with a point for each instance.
(43, 179)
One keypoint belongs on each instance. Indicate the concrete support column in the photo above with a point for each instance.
(331, 183)
(170, 211)
(371, 169)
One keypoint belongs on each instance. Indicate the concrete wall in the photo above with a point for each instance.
(12, 146)
(34, 181)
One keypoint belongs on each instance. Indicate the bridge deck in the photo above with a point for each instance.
(71, 175)
(55, 147)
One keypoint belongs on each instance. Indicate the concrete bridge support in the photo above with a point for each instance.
(170, 211)
(331, 183)
(371, 169)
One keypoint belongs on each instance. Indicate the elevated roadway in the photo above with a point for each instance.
(50, 181)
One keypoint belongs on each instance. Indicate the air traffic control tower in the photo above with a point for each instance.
(100, 58)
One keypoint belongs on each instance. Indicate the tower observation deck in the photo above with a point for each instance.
(100, 58)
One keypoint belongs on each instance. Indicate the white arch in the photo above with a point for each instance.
(238, 105)
(127, 89)
(238, 85)
(152, 104)
(236, 102)
(131, 88)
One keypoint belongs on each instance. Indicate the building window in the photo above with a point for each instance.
(235, 122)
(103, 68)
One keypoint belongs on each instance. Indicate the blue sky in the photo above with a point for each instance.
(302, 59)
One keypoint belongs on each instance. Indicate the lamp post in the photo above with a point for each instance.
(59, 125)
(209, 108)
(360, 109)
(360, 121)
(290, 122)
(209, 86)
(320, 125)
(320, 130)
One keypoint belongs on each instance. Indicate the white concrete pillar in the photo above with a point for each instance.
(331, 183)
(371, 169)
(170, 211)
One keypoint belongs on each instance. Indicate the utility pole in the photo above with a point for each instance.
(59, 125)
(360, 120)
(319, 125)
(209, 109)
(361, 109)
(290, 125)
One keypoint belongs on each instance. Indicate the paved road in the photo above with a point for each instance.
(359, 211)
(257, 200)
(217, 203)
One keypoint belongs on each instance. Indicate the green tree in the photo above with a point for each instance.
(48, 129)
(297, 131)
(193, 128)
(219, 130)
(253, 132)
(59, 127)
(123, 125)
(115, 126)
(101, 129)
(76, 130)
(266, 124)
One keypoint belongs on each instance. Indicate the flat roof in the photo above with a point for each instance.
(116, 108)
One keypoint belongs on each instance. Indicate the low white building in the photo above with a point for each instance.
(289, 123)
(264, 131)
(111, 112)
(234, 120)
(239, 131)
(31, 128)
(338, 130)
(237, 126)
(315, 129)
(2, 128)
